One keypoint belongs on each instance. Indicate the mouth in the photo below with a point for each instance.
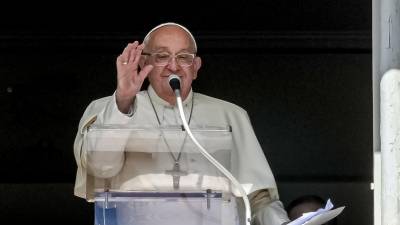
(166, 76)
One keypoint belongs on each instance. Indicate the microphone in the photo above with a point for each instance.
(174, 82)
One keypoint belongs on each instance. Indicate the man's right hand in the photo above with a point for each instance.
(129, 78)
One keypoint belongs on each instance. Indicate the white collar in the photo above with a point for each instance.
(160, 105)
(159, 101)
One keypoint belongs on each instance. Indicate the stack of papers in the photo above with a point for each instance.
(318, 217)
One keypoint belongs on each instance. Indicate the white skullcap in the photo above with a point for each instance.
(145, 40)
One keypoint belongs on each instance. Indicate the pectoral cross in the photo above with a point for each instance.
(176, 173)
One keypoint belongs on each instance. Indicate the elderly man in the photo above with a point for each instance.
(168, 49)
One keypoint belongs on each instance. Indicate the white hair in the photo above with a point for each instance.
(147, 37)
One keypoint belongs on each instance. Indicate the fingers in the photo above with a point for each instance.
(136, 54)
(125, 55)
(136, 51)
(128, 61)
(145, 71)
(131, 54)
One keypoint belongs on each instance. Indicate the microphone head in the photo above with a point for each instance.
(174, 82)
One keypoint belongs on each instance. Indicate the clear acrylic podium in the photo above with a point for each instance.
(156, 175)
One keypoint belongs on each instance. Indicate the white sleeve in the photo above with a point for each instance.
(266, 208)
(100, 111)
(104, 156)
(272, 213)
(111, 114)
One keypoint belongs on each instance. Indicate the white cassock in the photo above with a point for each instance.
(249, 165)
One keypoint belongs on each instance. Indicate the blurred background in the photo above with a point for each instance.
(301, 69)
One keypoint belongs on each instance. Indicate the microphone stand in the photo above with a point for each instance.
(174, 81)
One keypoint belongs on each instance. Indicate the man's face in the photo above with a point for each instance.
(171, 40)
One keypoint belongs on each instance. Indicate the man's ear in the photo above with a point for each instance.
(196, 65)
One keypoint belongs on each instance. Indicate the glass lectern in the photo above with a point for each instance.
(156, 175)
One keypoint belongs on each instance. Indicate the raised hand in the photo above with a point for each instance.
(129, 77)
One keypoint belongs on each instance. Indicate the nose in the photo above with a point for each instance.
(172, 64)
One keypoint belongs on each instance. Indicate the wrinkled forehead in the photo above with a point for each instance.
(148, 35)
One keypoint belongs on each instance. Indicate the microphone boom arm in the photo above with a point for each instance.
(175, 80)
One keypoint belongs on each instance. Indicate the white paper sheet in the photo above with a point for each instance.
(318, 217)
